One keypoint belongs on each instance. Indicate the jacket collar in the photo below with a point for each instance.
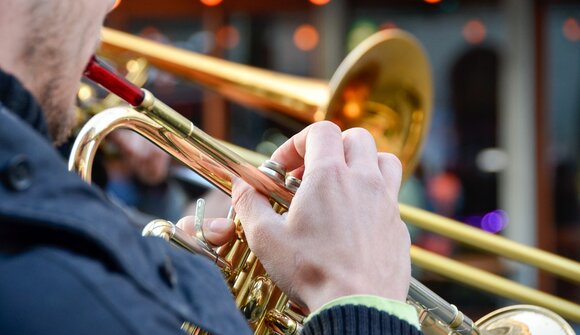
(20, 101)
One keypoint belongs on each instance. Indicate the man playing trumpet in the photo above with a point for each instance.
(71, 262)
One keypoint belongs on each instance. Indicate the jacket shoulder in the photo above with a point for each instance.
(72, 294)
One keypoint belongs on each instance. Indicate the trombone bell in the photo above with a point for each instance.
(384, 86)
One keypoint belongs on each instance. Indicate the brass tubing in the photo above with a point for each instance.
(171, 233)
(498, 245)
(491, 283)
(181, 139)
(501, 246)
(294, 96)
(431, 306)
(557, 265)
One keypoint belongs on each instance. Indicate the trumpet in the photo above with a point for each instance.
(268, 309)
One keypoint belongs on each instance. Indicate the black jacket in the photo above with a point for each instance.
(71, 262)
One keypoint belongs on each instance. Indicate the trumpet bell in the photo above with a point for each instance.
(523, 320)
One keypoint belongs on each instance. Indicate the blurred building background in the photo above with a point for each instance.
(503, 149)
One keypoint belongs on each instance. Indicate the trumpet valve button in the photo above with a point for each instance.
(273, 169)
(292, 183)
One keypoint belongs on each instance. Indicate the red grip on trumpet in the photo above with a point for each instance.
(98, 72)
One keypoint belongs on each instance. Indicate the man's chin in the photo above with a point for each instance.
(61, 128)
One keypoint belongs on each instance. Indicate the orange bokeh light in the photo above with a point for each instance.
(211, 2)
(571, 29)
(432, 1)
(227, 37)
(474, 31)
(306, 37)
(352, 110)
(319, 2)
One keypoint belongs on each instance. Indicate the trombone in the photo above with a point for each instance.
(395, 63)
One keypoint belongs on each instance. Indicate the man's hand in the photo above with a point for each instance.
(342, 234)
(216, 231)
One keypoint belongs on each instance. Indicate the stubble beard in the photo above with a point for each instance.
(51, 63)
(58, 109)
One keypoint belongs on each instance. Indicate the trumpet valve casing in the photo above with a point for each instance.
(263, 304)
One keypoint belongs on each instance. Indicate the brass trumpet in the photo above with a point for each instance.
(267, 308)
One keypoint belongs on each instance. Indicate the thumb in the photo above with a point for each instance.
(217, 231)
(260, 222)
